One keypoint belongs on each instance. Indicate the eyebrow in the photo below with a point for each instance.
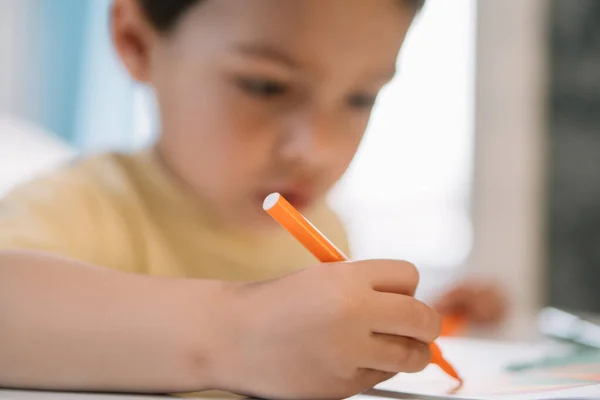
(273, 53)
(266, 52)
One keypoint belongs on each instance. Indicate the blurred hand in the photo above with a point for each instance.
(474, 303)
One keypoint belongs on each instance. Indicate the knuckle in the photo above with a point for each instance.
(340, 274)
(418, 315)
(371, 378)
(347, 373)
(427, 321)
(421, 356)
(432, 323)
(403, 357)
(436, 329)
(414, 357)
(345, 299)
(411, 273)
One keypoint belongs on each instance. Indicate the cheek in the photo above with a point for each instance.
(233, 135)
(247, 135)
(217, 143)
(345, 155)
(352, 137)
(342, 151)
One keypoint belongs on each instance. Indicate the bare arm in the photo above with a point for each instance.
(69, 326)
(327, 332)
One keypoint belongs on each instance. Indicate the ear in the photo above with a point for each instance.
(133, 37)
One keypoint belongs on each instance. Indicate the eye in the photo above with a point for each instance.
(362, 101)
(264, 88)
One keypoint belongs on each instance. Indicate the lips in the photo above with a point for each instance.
(299, 199)
(296, 199)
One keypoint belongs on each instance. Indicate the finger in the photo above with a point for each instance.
(369, 378)
(489, 308)
(390, 276)
(397, 354)
(453, 301)
(452, 306)
(405, 316)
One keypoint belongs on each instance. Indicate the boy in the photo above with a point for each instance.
(159, 271)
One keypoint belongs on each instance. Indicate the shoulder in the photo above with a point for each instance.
(75, 210)
(84, 181)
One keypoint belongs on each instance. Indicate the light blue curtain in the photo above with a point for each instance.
(105, 114)
(84, 94)
(57, 40)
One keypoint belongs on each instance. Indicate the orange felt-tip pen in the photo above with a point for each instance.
(325, 251)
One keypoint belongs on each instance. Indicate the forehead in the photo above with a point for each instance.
(312, 30)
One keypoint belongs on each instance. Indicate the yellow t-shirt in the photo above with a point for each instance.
(128, 213)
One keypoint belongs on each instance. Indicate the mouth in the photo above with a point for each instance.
(299, 199)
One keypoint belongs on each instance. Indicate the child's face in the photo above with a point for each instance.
(258, 96)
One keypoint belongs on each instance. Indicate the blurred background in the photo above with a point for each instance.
(482, 157)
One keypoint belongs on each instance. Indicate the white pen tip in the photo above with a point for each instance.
(270, 201)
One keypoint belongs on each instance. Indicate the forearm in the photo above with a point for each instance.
(66, 325)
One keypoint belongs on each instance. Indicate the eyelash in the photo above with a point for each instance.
(362, 101)
(262, 88)
(268, 89)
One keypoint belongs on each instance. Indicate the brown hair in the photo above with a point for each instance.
(164, 14)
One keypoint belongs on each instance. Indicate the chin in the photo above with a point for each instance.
(254, 221)
(265, 222)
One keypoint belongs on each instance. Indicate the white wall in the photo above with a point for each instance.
(13, 39)
(25, 149)
(508, 194)
(407, 192)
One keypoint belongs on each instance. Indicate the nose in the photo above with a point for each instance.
(310, 139)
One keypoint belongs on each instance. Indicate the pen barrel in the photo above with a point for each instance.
(302, 229)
